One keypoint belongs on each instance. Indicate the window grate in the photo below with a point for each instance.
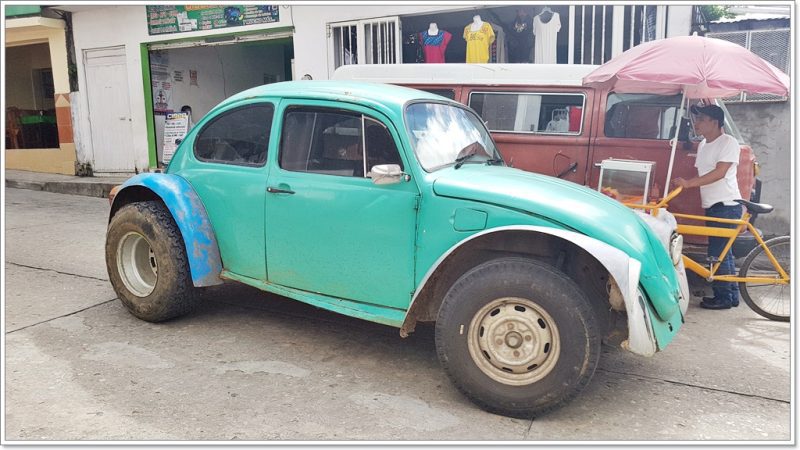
(365, 42)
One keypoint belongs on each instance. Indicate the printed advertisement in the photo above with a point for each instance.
(175, 128)
(162, 82)
(163, 19)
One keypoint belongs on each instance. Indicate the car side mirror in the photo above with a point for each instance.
(387, 174)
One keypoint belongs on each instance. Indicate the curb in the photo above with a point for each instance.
(100, 190)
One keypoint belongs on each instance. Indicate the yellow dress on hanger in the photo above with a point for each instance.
(478, 43)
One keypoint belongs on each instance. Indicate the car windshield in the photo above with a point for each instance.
(444, 135)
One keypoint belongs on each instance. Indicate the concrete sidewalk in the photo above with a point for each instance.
(62, 184)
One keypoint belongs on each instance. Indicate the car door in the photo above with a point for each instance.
(542, 130)
(228, 171)
(329, 229)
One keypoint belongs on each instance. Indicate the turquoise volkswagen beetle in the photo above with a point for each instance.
(393, 205)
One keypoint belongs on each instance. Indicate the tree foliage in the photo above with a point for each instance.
(716, 12)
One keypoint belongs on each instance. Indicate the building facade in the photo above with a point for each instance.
(137, 64)
(39, 131)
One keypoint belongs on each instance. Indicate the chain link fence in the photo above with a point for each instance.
(771, 45)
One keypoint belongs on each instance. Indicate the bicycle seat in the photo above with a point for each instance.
(756, 208)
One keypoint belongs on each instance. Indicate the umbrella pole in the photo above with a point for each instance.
(674, 143)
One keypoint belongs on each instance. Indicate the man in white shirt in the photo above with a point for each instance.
(717, 159)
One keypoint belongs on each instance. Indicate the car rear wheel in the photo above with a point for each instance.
(518, 337)
(147, 264)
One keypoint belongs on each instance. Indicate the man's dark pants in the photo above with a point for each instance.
(724, 291)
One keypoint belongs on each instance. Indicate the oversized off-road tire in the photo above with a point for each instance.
(147, 264)
(518, 337)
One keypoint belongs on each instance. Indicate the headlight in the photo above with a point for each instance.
(676, 248)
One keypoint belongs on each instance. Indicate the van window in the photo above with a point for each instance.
(530, 113)
(447, 93)
(641, 116)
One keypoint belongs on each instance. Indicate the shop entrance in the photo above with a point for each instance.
(196, 76)
(30, 104)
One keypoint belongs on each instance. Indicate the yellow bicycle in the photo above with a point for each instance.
(764, 281)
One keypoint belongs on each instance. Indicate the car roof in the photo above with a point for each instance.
(486, 74)
(382, 96)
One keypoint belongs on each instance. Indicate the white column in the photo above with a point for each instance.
(661, 21)
(571, 49)
(618, 27)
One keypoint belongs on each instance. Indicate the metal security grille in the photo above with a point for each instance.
(600, 32)
(381, 42)
(771, 45)
(345, 44)
(365, 42)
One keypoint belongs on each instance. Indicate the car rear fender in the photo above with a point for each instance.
(190, 215)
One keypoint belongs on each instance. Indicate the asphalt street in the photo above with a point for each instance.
(252, 366)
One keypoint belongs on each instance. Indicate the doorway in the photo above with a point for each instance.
(109, 110)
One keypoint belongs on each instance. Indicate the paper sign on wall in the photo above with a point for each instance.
(175, 128)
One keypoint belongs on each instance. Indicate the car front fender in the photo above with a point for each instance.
(623, 270)
(189, 214)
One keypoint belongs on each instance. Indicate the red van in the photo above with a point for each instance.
(544, 120)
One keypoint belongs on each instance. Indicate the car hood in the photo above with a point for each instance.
(569, 204)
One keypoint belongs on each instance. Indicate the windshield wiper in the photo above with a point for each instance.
(494, 162)
(462, 159)
(468, 152)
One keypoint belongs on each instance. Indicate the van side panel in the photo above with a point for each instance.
(658, 151)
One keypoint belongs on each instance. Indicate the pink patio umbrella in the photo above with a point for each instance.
(700, 67)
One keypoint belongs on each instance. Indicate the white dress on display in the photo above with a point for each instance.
(546, 36)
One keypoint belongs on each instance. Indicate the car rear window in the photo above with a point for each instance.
(239, 136)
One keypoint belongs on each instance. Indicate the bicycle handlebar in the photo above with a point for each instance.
(665, 201)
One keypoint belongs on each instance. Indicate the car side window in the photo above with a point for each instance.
(239, 136)
(539, 113)
(331, 142)
(381, 148)
(641, 116)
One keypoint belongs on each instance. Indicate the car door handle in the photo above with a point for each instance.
(273, 190)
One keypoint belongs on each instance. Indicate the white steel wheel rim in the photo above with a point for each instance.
(514, 341)
(136, 264)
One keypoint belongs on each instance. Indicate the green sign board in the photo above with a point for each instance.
(162, 19)
(22, 10)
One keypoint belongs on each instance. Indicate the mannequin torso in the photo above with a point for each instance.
(477, 23)
(433, 30)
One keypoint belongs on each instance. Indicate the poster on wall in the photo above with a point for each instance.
(162, 82)
(163, 19)
(175, 128)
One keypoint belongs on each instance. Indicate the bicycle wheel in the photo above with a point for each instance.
(771, 300)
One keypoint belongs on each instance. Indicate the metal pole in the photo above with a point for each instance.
(675, 143)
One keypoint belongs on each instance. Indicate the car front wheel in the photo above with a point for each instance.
(147, 264)
(518, 337)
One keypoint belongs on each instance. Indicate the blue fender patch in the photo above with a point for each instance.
(189, 213)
